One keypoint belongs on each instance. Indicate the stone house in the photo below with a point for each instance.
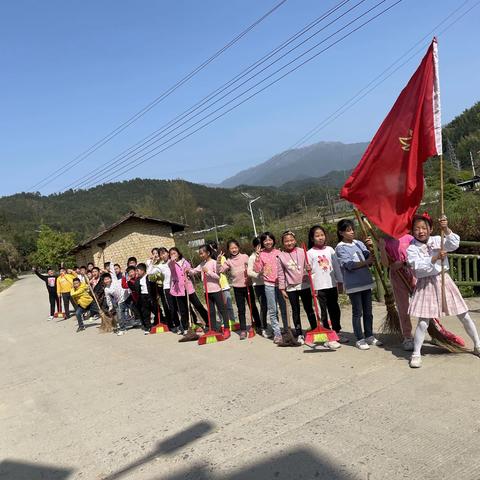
(132, 236)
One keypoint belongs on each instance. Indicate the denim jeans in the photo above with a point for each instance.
(362, 305)
(123, 315)
(273, 296)
(92, 308)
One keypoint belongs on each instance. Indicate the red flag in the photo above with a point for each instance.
(387, 184)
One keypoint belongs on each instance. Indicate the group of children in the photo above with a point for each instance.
(162, 289)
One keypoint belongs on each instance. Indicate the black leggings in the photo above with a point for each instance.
(67, 300)
(52, 298)
(183, 308)
(216, 299)
(328, 300)
(262, 300)
(241, 296)
(294, 298)
(144, 308)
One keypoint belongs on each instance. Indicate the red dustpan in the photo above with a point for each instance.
(210, 336)
(319, 334)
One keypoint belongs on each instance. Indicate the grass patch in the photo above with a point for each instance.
(4, 284)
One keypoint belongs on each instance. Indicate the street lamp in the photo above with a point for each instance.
(250, 201)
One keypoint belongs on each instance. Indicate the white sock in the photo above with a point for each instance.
(470, 328)
(419, 337)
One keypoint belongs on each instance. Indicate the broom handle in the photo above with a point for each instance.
(185, 279)
(249, 299)
(312, 287)
(442, 234)
(376, 263)
(391, 260)
(95, 298)
(206, 297)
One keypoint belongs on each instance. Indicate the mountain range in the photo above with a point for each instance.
(300, 164)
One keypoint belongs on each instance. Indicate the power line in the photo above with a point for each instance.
(244, 92)
(93, 148)
(332, 117)
(257, 92)
(149, 139)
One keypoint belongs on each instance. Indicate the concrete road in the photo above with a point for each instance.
(96, 406)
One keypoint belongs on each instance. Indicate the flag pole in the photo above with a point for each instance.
(442, 233)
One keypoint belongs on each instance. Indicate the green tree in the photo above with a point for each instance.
(9, 259)
(53, 248)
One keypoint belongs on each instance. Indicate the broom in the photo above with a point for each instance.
(442, 337)
(288, 340)
(251, 331)
(191, 335)
(391, 322)
(59, 313)
(319, 334)
(210, 336)
(108, 323)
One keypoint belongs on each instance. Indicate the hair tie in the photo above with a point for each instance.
(426, 216)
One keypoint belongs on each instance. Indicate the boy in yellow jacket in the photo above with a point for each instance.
(80, 294)
(64, 285)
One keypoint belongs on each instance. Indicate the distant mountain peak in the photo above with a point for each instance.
(296, 164)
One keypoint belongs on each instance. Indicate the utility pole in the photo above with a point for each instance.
(262, 218)
(473, 164)
(216, 231)
(250, 201)
(305, 203)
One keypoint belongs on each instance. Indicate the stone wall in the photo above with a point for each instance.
(133, 238)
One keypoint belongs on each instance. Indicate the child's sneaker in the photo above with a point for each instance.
(407, 344)
(121, 332)
(146, 332)
(415, 361)
(226, 333)
(80, 329)
(265, 334)
(342, 338)
(277, 339)
(362, 344)
(476, 351)
(301, 339)
(373, 341)
(50, 317)
(333, 345)
(243, 335)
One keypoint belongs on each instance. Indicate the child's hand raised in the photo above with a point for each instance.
(369, 242)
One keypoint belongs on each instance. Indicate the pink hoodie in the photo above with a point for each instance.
(266, 263)
(177, 279)
(237, 266)
(291, 268)
(213, 278)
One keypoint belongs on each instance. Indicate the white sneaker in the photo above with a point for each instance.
(476, 351)
(407, 344)
(373, 341)
(415, 361)
(301, 339)
(332, 345)
(50, 317)
(362, 344)
(146, 332)
(121, 332)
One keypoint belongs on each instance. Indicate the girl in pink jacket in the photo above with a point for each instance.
(236, 265)
(208, 269)
(293, 282)
(181, 286)
(266, 265)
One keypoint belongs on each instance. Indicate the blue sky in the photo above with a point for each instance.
(72, 71)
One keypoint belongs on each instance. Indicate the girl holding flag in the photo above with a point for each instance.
(426, 257)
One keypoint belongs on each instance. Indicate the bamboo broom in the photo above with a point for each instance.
(108, 323)
(391, 322)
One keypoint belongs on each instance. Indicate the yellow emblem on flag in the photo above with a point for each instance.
(406, 141)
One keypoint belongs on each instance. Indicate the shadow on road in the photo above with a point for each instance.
(17, 470)
(166, 447)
